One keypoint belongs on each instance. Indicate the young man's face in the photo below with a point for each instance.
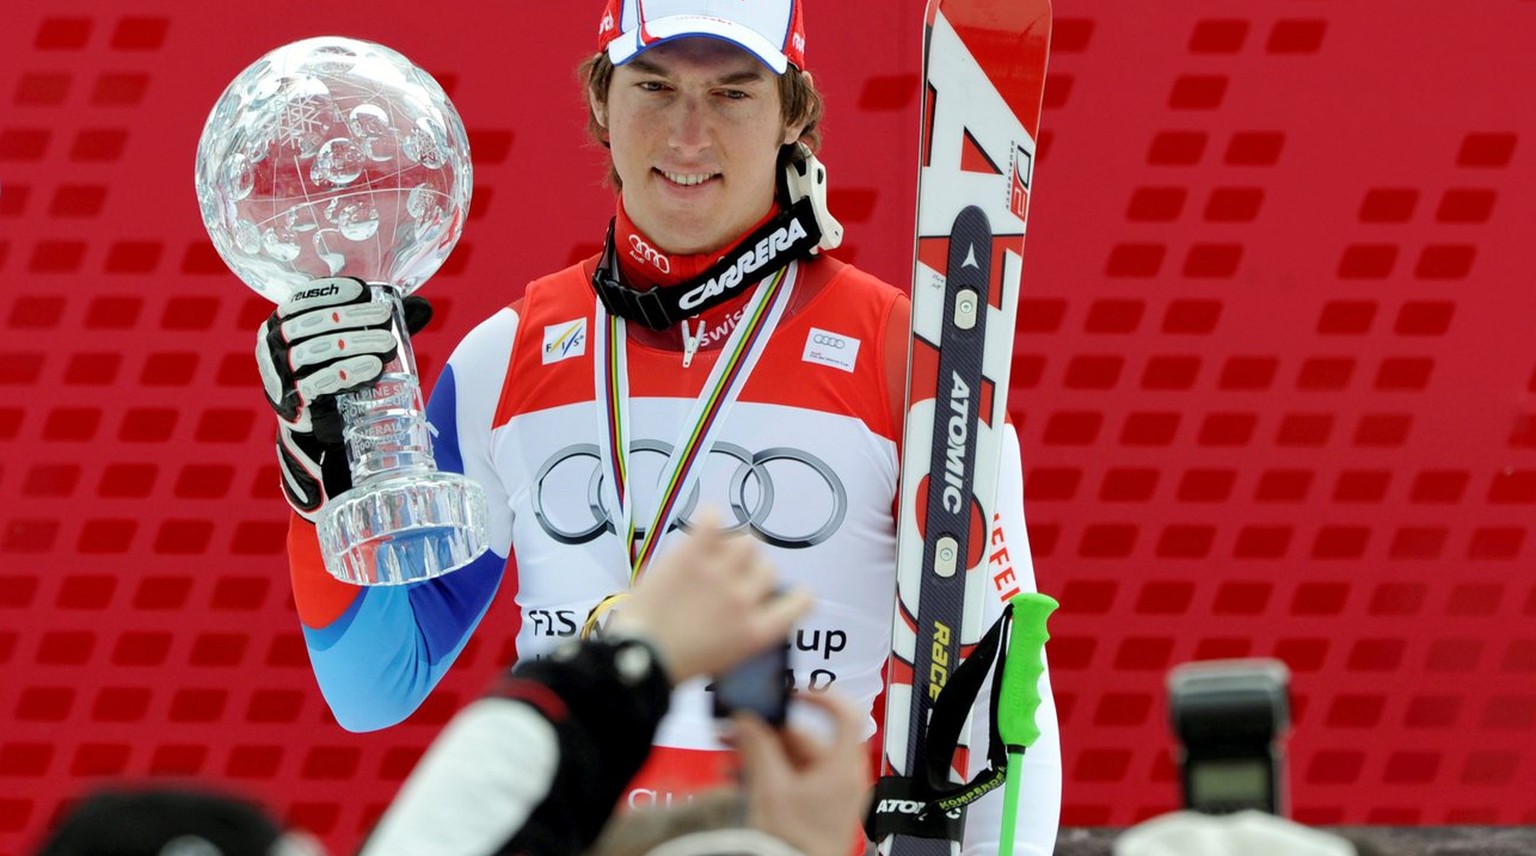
(695, 130)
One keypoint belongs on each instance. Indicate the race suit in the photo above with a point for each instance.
(807, 461)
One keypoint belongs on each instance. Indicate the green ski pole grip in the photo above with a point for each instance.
(1022, 669)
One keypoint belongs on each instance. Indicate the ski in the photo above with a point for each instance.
(984, 71)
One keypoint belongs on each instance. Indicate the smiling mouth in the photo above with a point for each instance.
(688, 179)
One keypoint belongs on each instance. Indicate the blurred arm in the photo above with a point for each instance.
(536, 767)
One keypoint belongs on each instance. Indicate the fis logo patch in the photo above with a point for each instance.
(831, 349)
(563, 341)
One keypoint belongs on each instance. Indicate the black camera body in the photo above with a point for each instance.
(759, 684)
(1230, 717)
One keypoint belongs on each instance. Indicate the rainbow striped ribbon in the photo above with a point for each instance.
(724, 384)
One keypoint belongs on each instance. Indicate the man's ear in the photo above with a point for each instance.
(599, 108)
(792, 132)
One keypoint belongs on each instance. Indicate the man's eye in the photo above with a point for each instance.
(652, 86)
(734, 94)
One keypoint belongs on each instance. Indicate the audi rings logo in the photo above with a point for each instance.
(807, 495)
(644, 252)
(836, 343)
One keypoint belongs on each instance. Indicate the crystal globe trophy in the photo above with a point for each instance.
(338, 157)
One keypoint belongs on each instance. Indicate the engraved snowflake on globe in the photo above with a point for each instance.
(333, 156)
(300, 125)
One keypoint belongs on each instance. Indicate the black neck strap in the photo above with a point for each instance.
(790, 235)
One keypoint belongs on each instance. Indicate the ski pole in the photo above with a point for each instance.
(1023, 664)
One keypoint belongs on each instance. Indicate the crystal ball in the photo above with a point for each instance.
(333, 157)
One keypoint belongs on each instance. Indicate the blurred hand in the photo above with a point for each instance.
(810, 793)
(708, 603)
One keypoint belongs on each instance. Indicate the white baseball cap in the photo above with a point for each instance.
(771, 30)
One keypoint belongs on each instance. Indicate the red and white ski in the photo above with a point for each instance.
(984, 71)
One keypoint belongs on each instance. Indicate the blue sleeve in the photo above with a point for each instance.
(378, 660)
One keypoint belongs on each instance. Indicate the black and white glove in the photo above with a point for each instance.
(328, 339)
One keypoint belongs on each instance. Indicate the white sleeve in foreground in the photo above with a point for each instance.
(1039, 812)
(476, 786)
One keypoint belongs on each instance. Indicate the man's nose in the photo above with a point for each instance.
(688, 130)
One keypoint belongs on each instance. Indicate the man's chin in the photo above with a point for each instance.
(688, 234)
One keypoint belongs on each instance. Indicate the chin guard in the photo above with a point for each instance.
(804, 177)
(790, 235)
(802, 227)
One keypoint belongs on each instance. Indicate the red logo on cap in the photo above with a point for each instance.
(793, 46)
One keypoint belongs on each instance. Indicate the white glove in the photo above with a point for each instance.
(329, 338)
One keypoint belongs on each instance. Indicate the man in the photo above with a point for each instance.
(723, 361)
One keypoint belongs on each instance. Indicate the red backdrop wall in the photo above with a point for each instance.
(1275, 377)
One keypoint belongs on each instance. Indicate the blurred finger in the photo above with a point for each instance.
(702, 543)
(772, 616)
(783, 610)
(801, 748)
(706, 523)
(736, 551)
(847, 721)
(756, 579)
(762, 757)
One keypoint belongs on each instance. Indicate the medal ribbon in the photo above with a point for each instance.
(724, 384)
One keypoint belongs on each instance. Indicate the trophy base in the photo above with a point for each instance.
(405, 529)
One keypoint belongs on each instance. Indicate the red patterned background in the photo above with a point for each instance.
(1275, 376)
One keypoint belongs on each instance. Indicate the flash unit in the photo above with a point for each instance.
(1230, 717)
